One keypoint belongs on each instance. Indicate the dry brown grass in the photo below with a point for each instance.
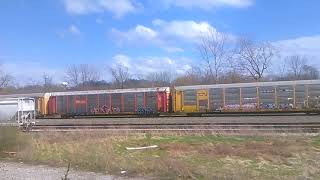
(251, 149)
(12, 141)
(180, 156)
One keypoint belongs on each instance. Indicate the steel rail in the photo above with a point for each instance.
(200, 114)
(186, 124)
(183, 126)
(287, 130)
(276, 127)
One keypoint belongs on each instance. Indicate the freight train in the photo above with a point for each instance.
(259, 97)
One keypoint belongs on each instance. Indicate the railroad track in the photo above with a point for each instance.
(216, 114)
(180, 115)
(310, 127)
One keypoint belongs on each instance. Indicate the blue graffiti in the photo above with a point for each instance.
(145, 110)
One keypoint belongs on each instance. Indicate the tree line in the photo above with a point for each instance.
(222, 59)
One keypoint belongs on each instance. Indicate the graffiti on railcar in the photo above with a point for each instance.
(106, 110)
(269, 106)
(286, 106)
(254, 106)
(145, 110)
(249, 106)
(232, 107)
(80, 102)
(272, 106)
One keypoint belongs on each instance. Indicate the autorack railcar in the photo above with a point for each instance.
(141, 101)
(277, 96)
(280, 96)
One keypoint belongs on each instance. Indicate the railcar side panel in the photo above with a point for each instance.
(314, 96)
(177, 101)
(232, 96)
(80, 105)
(140, 100)
(52, 105)
(202, 100)
(267, 98)
(216, 99)
(39, 101)
(300, 97)
(271, 96)
(162, 104)
(61, 104)
(249, 98)
(152, 101)
(71, 107)
(285, 97)
(129, 102)
(189, 101)
(108, 103)
(103, 100)
(116, 103)
(93, 103)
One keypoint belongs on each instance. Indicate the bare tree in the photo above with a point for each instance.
(310, 72)
(254, 58)
(73, 75)
(232, 76)
(5, 78)
(160, 78)
(281, 71)
(120, 75)
(80, 75)
(215, 52)
(193, 76)
(295, 65)
(88, 73)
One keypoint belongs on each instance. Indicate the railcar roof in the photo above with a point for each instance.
(255, 84)
(6, 100)
(22, 95)
(114, 91)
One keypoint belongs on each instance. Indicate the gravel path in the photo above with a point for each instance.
(20, 171)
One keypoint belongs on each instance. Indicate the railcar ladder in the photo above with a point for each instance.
(25, 117)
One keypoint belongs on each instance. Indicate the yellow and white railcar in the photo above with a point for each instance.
(277, 96)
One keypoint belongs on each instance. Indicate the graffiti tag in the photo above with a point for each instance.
(105, 110)
(144, 110)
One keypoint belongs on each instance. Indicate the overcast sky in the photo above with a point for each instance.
(38, 36)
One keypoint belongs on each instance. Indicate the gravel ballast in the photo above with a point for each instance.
(21, 171)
